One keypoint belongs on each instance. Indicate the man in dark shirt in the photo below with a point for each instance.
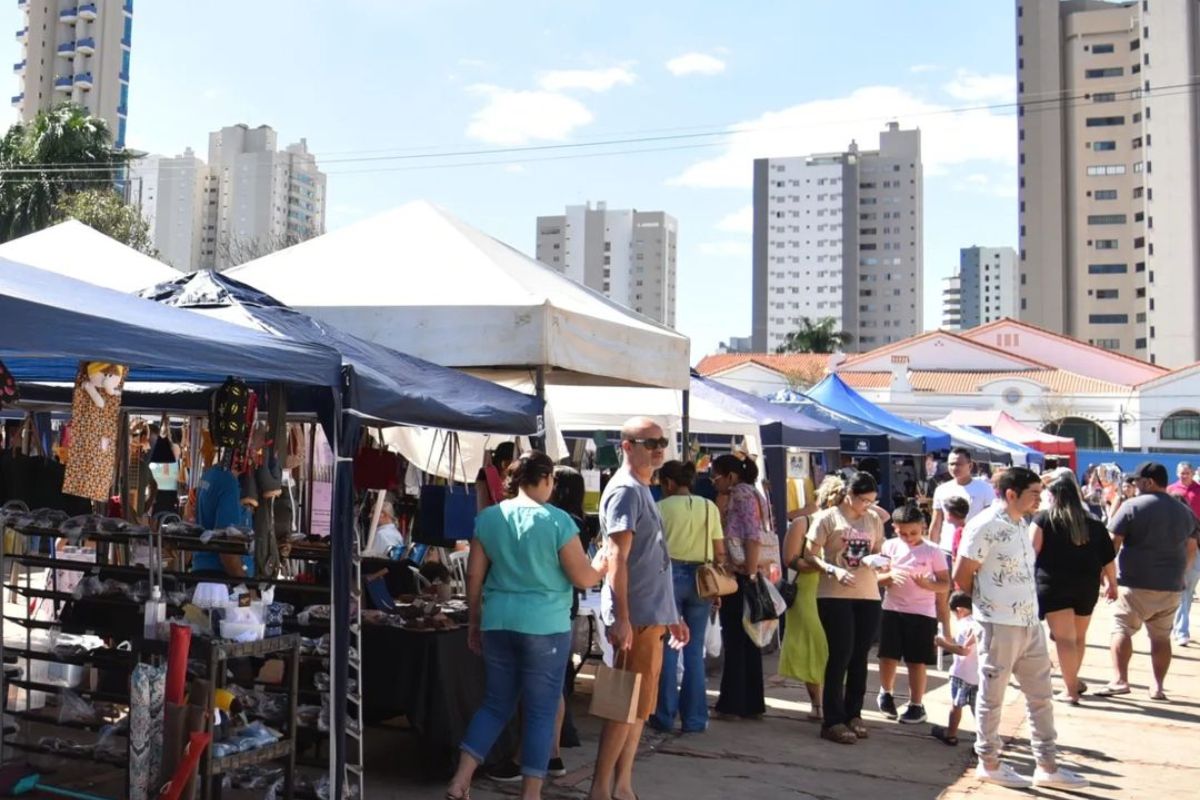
(1155, 537)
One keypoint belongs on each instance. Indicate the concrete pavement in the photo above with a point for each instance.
(1129, 747)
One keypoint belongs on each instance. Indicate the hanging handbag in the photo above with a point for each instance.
(447, 512)
(712, 579)
(759, 600)
(787, 587)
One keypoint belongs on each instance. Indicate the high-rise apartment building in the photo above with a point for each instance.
(1110, 173)
(983, 290)
(171, 193)
(627, 255)
(78, 52)
(258, 199)
(840, 235)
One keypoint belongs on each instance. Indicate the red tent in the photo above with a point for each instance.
(999, 423)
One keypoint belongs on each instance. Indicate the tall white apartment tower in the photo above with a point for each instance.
(78, 52)
(1109, 168)
(840, 235)
(627, 255)
(171, 193)
(258, 199)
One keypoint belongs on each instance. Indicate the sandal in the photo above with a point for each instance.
(816, 714)
(839, 734)
(464, 796)
(859, 728)
(1082, 688)
(1063, 697)
(1112, 691)
(939, 733)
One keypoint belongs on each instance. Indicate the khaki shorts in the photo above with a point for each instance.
(646, 658)
(1137, 607)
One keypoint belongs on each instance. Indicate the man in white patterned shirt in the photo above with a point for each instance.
(995, 564)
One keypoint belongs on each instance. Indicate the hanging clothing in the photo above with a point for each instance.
(93, 456)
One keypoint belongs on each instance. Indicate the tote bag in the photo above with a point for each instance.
(615, 692)
(447, 512)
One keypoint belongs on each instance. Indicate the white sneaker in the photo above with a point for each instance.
(1003, 775)
(1183, 641)
(1059, 779)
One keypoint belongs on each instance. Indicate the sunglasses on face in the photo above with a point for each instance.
(652, 444)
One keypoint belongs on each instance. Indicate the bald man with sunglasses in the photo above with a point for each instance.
(638, 602)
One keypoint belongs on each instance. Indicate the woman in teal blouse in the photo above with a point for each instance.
(525, 558)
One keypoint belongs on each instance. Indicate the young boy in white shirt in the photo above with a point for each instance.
(964, 672)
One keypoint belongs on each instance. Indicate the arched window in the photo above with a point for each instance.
(1087, 434)
(1182, 425)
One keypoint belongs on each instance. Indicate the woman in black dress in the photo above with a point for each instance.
(1073, 551)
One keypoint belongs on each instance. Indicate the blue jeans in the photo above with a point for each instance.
(525, 668)
(1190, 579)
(690, 702)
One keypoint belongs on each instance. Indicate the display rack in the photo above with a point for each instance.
(216, 652)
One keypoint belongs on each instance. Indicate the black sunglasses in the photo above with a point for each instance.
(652, 444)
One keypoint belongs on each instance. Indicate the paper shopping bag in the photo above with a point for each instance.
(615, 694)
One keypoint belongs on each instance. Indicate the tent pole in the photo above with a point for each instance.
(539, 389)
(686, 447)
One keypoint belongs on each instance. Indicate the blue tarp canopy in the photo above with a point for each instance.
(981, 445)
(49, 323)
(1020, 454)
(833, 392)
(386, 385)
(779, 425)
(857, 436)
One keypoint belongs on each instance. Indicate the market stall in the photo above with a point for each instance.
(1019, 455)
(983, 449)
(999, 423)
(79, 251)
(833, 392)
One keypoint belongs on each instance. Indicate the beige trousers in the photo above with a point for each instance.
(1020, 651)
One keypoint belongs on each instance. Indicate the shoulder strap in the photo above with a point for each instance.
(707, 537)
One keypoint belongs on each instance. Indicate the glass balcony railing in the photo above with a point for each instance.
(17, 98)
(87, 10)
(66, 48)
(86, 45)
(83, 79)
(68, 15)
(63, 82)
(17, 67)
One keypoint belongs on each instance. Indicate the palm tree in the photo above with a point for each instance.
(62, 150)
(821, 336)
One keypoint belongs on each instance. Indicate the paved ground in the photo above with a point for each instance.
(1129, 747)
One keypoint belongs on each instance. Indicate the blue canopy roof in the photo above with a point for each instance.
(833, 392)
(49, 322)
(779, 425)
(857, 436)
(386, 385)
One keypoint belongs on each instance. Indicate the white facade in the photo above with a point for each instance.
(952, 302)
(258, 199)
(627, 255)
(840, 235)
(78, 52)
(171, 193)
(985, 288)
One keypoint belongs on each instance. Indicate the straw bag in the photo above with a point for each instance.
(616, 691)
(712, 579)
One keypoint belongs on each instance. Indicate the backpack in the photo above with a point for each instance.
(231, 413)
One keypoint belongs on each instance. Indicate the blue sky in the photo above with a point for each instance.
(377, 79)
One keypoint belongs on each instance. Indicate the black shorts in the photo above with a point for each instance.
(908, 638)
(1081, 600)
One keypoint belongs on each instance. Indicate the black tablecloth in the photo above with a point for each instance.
(433, 679)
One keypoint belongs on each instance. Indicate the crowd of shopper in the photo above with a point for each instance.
(1003, 561)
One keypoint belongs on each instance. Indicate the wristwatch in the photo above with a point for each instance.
(830, 569)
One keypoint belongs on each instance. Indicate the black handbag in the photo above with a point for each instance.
(758, 600)
(787, 588)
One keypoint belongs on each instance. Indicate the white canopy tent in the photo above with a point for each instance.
(79, 251)
(582, 408)
(419, 280)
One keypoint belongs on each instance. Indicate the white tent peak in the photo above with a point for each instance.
(80, 251)
(420, 280)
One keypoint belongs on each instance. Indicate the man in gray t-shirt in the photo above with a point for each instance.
(639, 597)
(1155, 538)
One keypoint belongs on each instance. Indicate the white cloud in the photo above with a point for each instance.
(723, 248)
(917, 69)
(476, 63)
(948, 139)
(1002, 183)
(971, 87)
(592, 80)
(740, 221)
(695, 64)
(513, 117)
(514, 169)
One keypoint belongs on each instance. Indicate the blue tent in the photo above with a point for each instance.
(49, 322)
(857, 436)
(834, 393)
(780, 428)
(388, 386)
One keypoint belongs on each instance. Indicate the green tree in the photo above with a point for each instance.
(104, 210)
(61, 151)
(821, 336)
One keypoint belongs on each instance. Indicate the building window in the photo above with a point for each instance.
(1106, 169)
(1107, 219)
(1107, 294)
(1105, 269)
(1104, 72)
(1102, 48)
(1101, 122)
(1108, 344)
(1106, 244)
(1182, 425)
(1108, 319)
(1108, 145)
(1105, 194)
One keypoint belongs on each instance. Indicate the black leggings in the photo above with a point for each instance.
(850, 627)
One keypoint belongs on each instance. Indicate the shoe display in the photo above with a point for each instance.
(913, 715)
(887, 705)
(1059, 779)
(1002, 775)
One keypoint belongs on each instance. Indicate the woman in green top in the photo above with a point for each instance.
(524, 560)
(692, 526)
